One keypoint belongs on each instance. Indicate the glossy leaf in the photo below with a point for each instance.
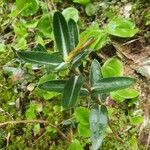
(79, 58)
(62, 66)
(95, 72)
(82, 115)
(74, 33)
(98, 125)
(71, 13)
(53, 86)
(58, 86)
(95, 76)
(121, 95)
(71, 91)
(113, 67)
(61, 34)
(40, 48)
(84, 92)
(40, 57)
(106, 85)
(121, 27)
(75, 145)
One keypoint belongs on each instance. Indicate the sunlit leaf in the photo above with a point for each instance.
(121, 95)
(27, 7)
(106, 85)
(75, 145)
(82, 115)
(101, 38)
(71, 13)
(84, 130)
(98, 125)
(90, 9)
(136, 120)
(121, 27)
(71, 91)
(2, 48)
(113, 67)
(45, 25)
(82, 2)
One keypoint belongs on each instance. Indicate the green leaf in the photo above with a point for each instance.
(71, 13)
(121, 27)
(44, 93)
(58, 86)
(45, 25)
(80, 57)
(99, 35)
(28, 7)
(95, 72)
(40, 57)
(71, 91)
(112, 84)
(2, 48)
(121, 95)
(75, 145)
(84, 92)
(82, 115)
(74, 33)
(98, 125)
(20, 30)
(95, 76)
(82, 2)
(113, 67)
(36, 129)
(61, 34)
(40, 48)
(84, 130)
(136, 120)
(53, 86)
(31, 112)
(91, 9)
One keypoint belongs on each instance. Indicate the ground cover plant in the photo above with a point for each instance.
(64, 91)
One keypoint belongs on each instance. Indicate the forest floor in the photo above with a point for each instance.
(20, 100)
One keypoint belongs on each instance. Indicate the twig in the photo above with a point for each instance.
(131, 41)
(22, 122)
(71, 130)
(114, 133)
(39, 137)
(34, 121)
